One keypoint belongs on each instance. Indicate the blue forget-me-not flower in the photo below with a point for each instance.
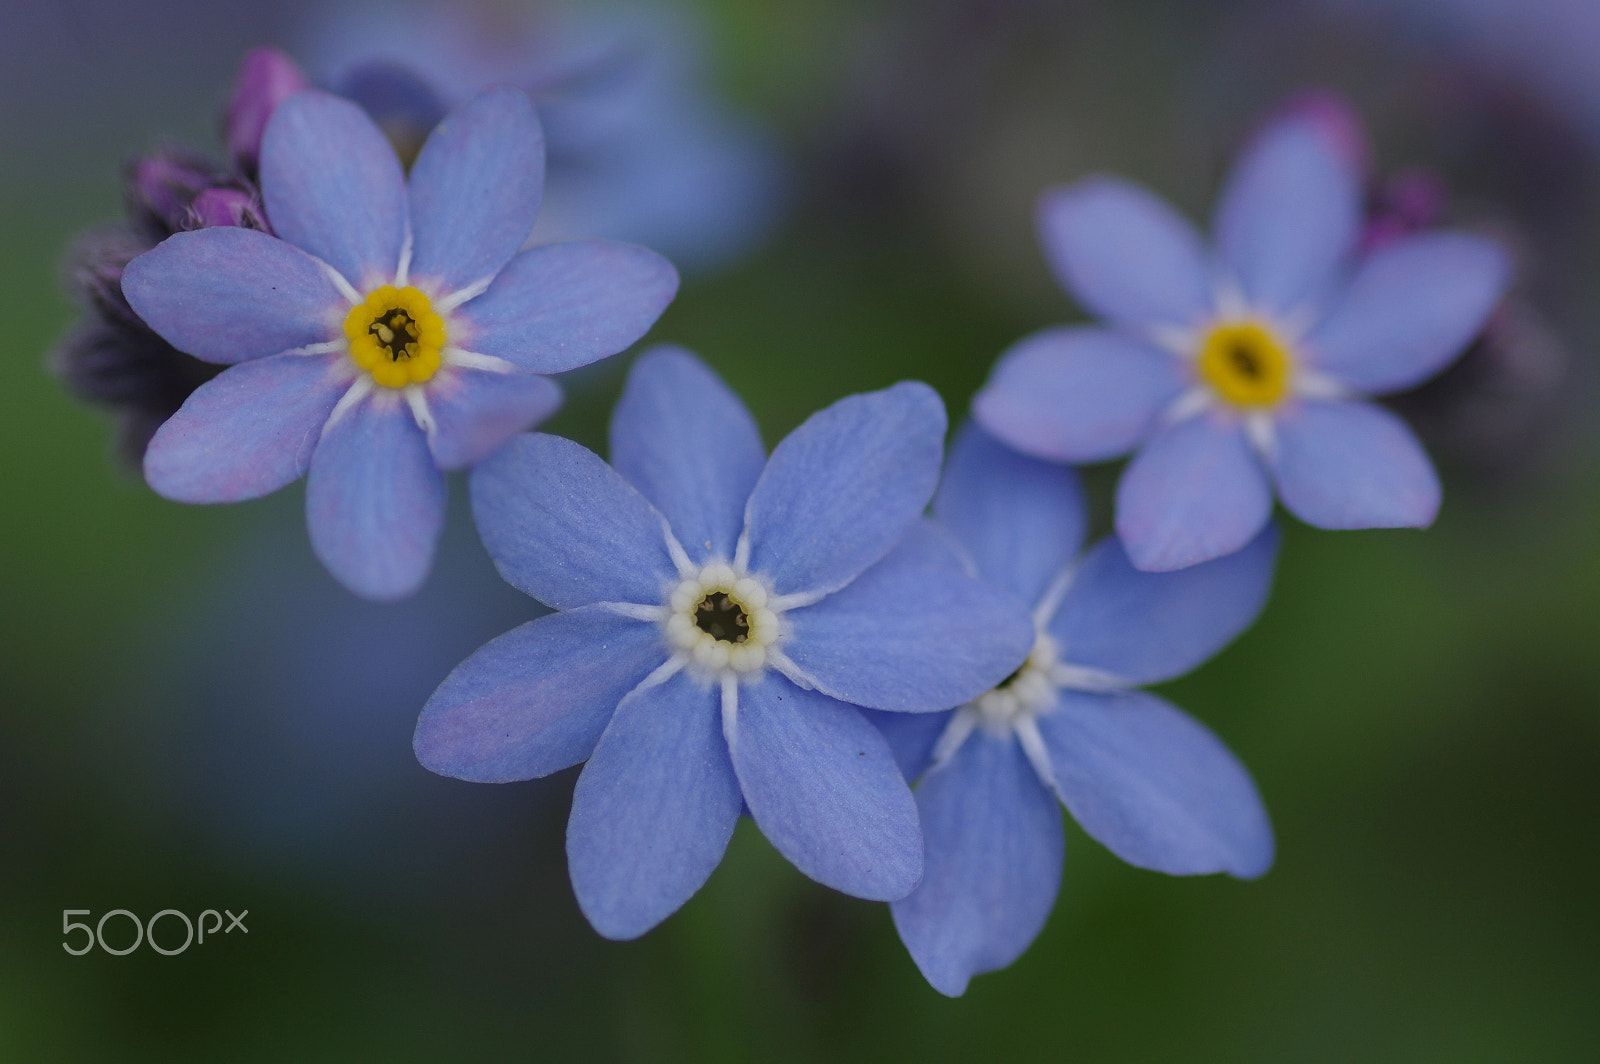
(390, 330)
(721, 616)
(1233, 370)
(1145, 779)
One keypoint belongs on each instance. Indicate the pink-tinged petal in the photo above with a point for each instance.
(375, 500)
(1124, 254)
(333, 187)
(1077, 394)
(1290, 214)
(229, 295)
(476, 412)
(247, 432)
(561, 306)
(475, 190)
(1354, 465)
(1412, 307)
(1196, 492)
(536, 699)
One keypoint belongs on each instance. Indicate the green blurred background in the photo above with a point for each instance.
(193, 716)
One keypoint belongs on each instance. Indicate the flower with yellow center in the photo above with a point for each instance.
(1245, 363)
(396, 336)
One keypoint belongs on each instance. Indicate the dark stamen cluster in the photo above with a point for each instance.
(721, 618)
(397, 333)
(1246, 360)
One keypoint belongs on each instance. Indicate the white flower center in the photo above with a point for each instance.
(1024, 694)
(722, 620)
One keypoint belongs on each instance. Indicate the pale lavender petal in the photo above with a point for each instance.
(682, 437)
(561, 306)
(994, 849)
(561, 525)
(535, 700)
(1150, 627)
(842, 488)
(911, 737)
(1290, 215)
(230, 295)
(247, 432)
(1353, 465)
(1155, 786)
(913, 633)
(1196, 492)
(1078, 394)
(375, 500)
(475, 189)
(333, 187)
(476, 412)
(1021, 520)
(1125, 254)
(822, 785)
(653, 810)
(1411, 308)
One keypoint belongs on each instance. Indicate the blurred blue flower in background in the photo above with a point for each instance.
(446, 328)
(1145, 779)
(721, 618)
(1229, 372)
(638, 147)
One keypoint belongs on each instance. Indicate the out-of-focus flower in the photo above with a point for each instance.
(722, 616)
(1148, 781)
(387, 333)
(1231, 372)
(637, 148)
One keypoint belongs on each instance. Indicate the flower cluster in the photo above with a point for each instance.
(901, 702)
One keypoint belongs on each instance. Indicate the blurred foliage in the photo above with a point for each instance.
(1422, 711)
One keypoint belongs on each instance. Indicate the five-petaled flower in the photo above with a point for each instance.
(1142, 777)
(721, 616)
(389, 332)
(1230, 371)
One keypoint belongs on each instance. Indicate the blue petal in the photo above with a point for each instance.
(1412, 307)
(1019, 519)
(475, 190)
(1149, 627)
(561, 525)
(1124, 254)
(536, 699)
(842, 488)
(653, 810)
(681, 437)
(823, 787)
(228, 295)
(245, 433)
(911, 737)
(561, 306)
(475, 412)
(375, 500)
(1078, 394)
(1289, 215)
(994, 850)
(1196, 492)
(333, 187)
(1354, 465)
(1155, 787)
(914, 633)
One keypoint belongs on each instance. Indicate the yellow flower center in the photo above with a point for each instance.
(1245, 363)
(722, 620)
(396, 336)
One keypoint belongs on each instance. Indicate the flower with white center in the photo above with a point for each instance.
(1235, 371)
(1070, 726)
(389, 332)
(720, 618)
